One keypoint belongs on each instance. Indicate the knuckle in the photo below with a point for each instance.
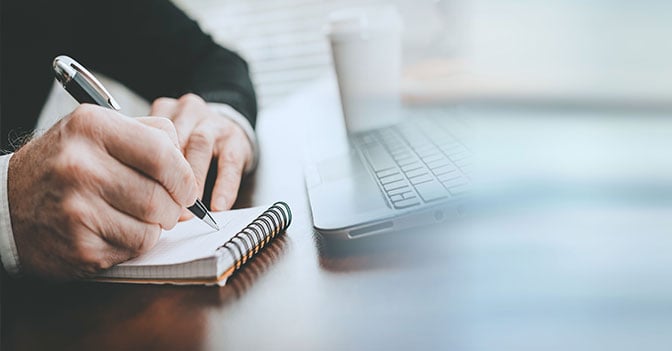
(88, 120)
(165, 124)
(84, 115)
(190, 98)
(161, 102)
(72, 164)
(187, 183)
(200, 139)
(84, 111)
(231, 160)
(151, 210)
(148, 239)
(91, 259)
(172, 215)
(74, 211)
(153, 206)
(164, 152)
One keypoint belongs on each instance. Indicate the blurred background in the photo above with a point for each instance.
(577, 99)
(606, 51)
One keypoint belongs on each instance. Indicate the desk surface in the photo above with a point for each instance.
(447, 291)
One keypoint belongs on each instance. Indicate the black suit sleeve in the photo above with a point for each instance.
(155, 49)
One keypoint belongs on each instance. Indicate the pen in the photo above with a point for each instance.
(85, 88)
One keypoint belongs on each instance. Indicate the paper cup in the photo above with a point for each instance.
(366, 51)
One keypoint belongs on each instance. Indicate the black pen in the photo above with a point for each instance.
(85, 88)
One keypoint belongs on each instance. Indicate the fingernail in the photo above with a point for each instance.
(219, 203)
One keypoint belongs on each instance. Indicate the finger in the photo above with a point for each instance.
(185, 215)
(199, 152)
(164, 107)
(151, 151)
(230, 166)
(126, 233)
(161, 123)
(190, 110)
(94, 255)
(135, 194)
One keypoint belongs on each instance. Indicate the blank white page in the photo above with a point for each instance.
(193, 239)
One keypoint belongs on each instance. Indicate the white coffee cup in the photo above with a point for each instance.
(366, 50)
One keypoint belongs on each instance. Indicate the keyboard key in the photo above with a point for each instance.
(433, 157)
(406, 203)
(394, 198)
(460, 189)
(405, 159)
(391, 178)
(400, 191)
(453, 149)
(431, 190)
(444, 169)
(408, 194)
(438, 163)
(395, 185)
(411, 166)
(451, 183)
(421, 179)
(449, 176)
(406, 162)
(416, 172)
(402, 155)
(461, 156)
(463, 162)
(386, 173)
(379, 158)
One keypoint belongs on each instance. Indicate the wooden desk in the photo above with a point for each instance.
(450, 291)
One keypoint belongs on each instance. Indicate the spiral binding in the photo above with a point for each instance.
(256, 235)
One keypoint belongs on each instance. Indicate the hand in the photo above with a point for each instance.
(205, 135)
(94, 191)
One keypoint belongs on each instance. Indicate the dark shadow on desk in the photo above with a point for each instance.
(384, 251)
(243, 279)
(90, 316)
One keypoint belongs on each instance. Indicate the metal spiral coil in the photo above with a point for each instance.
(256, 235)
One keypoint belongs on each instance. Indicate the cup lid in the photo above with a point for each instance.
(364, 20)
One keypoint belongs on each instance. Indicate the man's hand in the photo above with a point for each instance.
(203, 136)
(94, 191)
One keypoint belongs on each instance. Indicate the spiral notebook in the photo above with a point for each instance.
(194, 254)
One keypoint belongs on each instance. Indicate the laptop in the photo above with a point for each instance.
(395, 178)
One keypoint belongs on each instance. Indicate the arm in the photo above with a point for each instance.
(156, 50)
(164, 56)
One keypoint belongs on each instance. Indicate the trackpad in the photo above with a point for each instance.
(340, 167)
(347, 193)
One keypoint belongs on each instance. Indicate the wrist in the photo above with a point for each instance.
(8, 250)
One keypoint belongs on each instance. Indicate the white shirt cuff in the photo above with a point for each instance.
(235, 116)
(8, 253)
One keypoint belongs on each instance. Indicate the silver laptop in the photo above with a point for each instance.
(395, 178)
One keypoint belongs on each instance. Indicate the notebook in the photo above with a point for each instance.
(192, 253)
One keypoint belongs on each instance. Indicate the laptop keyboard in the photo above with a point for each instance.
(416, 163)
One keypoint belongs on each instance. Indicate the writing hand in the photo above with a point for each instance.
(95, 190)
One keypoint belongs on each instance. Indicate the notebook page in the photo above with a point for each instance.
(192, 240)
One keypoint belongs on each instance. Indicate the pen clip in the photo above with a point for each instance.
(66, 64)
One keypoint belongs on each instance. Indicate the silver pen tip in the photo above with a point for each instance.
(210, 221)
